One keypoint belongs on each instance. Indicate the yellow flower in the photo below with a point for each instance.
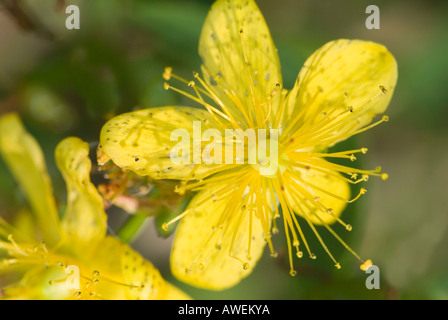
(75, 259)
(223, 232)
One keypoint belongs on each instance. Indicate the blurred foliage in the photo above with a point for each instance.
(69, 82)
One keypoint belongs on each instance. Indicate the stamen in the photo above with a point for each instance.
(361, 192)
(16, 246)
(198, 99)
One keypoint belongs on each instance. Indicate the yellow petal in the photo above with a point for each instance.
(344, 74)
(240, 61)
(84, 222)
(174, 293)
(25, 159)
(216, 257)
(320, 198)
(140, 141)
(145, 280)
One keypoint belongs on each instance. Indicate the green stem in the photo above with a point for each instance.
(132, 227)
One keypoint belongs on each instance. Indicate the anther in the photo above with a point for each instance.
(166, 86)
(337, 265)
(77, 294)
(384, 176)
(179, 190)
(274, 254)
(313, 256)
(167, 73)
(191, 84)
(364, 150)
(195, 74)
(165, 226)
(95, 273)
(350, 108)
(246, 266)
(299, 254)
(366, 265)
(352, 157)
(385, 118)
(293, 273)
(348, 227)
(383, 89)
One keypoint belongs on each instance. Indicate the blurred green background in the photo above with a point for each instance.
(69, 82)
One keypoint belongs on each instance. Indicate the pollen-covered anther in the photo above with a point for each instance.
(313, 256)
(352, 157)
(167, 73)
(366, 265)
(246, 266)
(274, 254)
(165, 226)
(384, 176)
(292, 273)
(385, 118)
(337, 265)
(364, 150)
(299, 254)
(191, 84)
(166, 86)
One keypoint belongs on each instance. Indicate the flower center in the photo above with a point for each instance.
(265, 153)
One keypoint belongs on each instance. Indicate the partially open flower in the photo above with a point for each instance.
(71, 257)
